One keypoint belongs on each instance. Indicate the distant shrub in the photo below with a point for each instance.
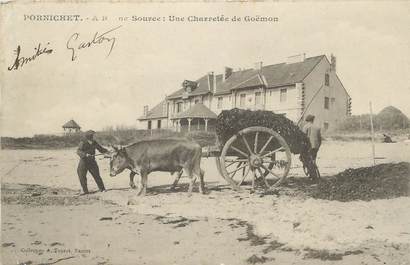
(355, 123)
(389, 119)
(203, 138)
(115, 136)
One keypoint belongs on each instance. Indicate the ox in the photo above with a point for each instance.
(168, 155)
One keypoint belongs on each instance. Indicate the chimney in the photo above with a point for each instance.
(211, 82)
(258, 65)
(227, 73)
(332, 63)
(296, 58)
(145, 110)
(214, 84)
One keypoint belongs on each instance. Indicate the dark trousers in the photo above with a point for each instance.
(313, 153)
(86, 165)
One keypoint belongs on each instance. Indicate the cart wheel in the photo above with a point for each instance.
(257, 149)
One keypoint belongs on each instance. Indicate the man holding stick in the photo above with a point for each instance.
(86, 152)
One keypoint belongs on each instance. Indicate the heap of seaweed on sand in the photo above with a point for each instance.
(384, 181)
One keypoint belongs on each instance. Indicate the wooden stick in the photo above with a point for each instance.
(372, 131)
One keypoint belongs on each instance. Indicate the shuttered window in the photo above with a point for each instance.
(283, 94)
(257, 98)
(179, 107)
(327, 80)
(242, 100)
(326, 103)
(332, 102)
(220, 101)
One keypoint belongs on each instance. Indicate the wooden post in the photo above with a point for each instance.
(189, 124)
(206, 124)
(372, 131)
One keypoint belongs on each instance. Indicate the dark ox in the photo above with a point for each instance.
(168, 155)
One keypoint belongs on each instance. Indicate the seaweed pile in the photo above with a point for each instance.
(230, 122)
(382, 181)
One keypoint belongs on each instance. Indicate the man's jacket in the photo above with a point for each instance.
(89, 148)
(314, 135)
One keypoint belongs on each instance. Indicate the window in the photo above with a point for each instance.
(326, 103)
(149, 125)
(326, 79)
(283, 94)
(196, 101)
(219, 105)
(179, 107)
(159, 124)
(242, 100)
(257, 98)
(326, 125)
(332, 102)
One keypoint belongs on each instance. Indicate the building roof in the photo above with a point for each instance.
(274, 75)
(71, 124)
(202, 88)
(156, 112)
(197, 111)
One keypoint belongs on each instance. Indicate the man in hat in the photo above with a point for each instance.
(86, 152)
(314, 135)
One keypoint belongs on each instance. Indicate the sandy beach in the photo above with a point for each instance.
(44, 221)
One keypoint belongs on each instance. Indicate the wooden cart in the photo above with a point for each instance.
(256, 153)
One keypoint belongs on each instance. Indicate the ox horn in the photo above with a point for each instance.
(119, 147)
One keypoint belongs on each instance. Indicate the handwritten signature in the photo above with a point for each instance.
(19, 61)
(98, 39)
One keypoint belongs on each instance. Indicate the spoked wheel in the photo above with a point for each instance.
(255, 153)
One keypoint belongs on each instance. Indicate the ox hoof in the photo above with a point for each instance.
(132, 202)
(133, 186)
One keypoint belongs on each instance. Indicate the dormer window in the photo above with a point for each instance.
(189, 86)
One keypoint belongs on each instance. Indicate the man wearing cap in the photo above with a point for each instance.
(314, 135)
(86, 152)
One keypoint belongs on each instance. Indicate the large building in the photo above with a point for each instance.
(295, 88)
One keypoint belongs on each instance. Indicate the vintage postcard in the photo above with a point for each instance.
(212, 132)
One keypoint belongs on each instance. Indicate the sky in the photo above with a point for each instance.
(371, 41)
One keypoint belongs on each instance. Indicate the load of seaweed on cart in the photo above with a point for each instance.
(230, 122)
